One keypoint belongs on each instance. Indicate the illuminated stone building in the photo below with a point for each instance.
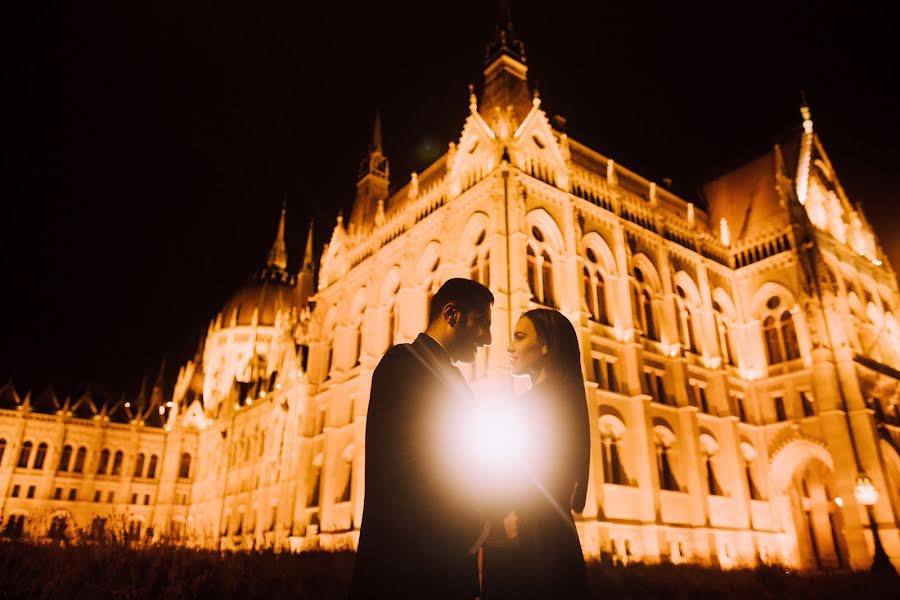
(741, 356)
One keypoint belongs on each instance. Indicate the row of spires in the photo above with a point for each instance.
(144, 409)
(278, 257)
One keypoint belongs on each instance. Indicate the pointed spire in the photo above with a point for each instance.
(278, 254)
(505, 41)
(308, 253)
(806, 149)
(805, 113)
(377, 146)
(160, 377)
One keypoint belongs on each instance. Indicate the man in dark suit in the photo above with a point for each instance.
(419, 529)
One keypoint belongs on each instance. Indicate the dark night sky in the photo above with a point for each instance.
(146, 146)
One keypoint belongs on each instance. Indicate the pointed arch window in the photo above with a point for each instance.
(780, 334)
(531, 261)
(548, 298)
(104, 462)
(789, 335)
(184, 469)
(24, 455)
(595, 295)
(117, 463)
(65, 458)
(722, 336)
(773, 344)
(151, 467)
(648, 323)
(139, 465)
(667, 479)
(79, 460)
(588, 289)
(712, 483)
(40, 456)
(613, 471)
(480, 267)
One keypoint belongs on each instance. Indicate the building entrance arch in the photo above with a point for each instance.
(803, 482)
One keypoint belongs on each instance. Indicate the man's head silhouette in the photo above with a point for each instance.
(460, 318)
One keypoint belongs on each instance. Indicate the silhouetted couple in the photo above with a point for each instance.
(425, 520)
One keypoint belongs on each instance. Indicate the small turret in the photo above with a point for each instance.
(505, 71)
(374, 180)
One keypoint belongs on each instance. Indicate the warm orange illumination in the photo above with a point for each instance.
(865, 492)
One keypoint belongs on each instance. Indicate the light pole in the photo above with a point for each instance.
(867, 495)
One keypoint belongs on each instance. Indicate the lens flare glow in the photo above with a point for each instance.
(495, 435)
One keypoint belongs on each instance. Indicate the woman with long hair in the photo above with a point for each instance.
(534, 552)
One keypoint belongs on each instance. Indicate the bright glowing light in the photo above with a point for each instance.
(169, 404)
(495, 435)
(839, 501)
(128, 405)
(249, 401)
(724, 232)
(277, 386)
(262, 394)
(876, 262)
(865, 491)
(162, 410)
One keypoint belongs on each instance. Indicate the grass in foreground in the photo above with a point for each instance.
(112, 570)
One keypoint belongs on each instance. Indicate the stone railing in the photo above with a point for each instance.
(399, 222)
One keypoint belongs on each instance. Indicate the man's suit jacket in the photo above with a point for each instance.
(416, 527)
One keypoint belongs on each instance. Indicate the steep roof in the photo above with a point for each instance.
(747, 196)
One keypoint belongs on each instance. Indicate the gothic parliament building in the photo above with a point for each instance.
(741, 356)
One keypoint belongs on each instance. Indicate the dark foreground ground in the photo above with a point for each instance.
(30, 570)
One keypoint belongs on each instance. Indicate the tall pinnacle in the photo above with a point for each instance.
(278, 254)
(505, 71)
(376, 134)
(505, 41)
(308, 255)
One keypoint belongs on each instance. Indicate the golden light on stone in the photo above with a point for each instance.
(747, 476)
(865, 492)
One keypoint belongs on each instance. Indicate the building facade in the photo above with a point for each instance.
(741, 360)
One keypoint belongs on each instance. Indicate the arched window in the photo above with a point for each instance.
(750, 456)
(24, 455)
(710, 448)
(2, 449)
(40, 456)
(595, 295)
(780, 334)
(686, 320)
(600, 293)
(648, 324)
(65, 458)
(540, 268)
(588, 289)
(480, 267)
(151, 467)
(184, 469)
(548, 298)
(139, 465)
(773, 345)
(104, 462)
(79, 460)
(789, 335)
(667, 479)
(613, 471)
(117, 463)
(722, 335)
(312, 497)
(665, 440)
(688, 324)
(531, 261)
